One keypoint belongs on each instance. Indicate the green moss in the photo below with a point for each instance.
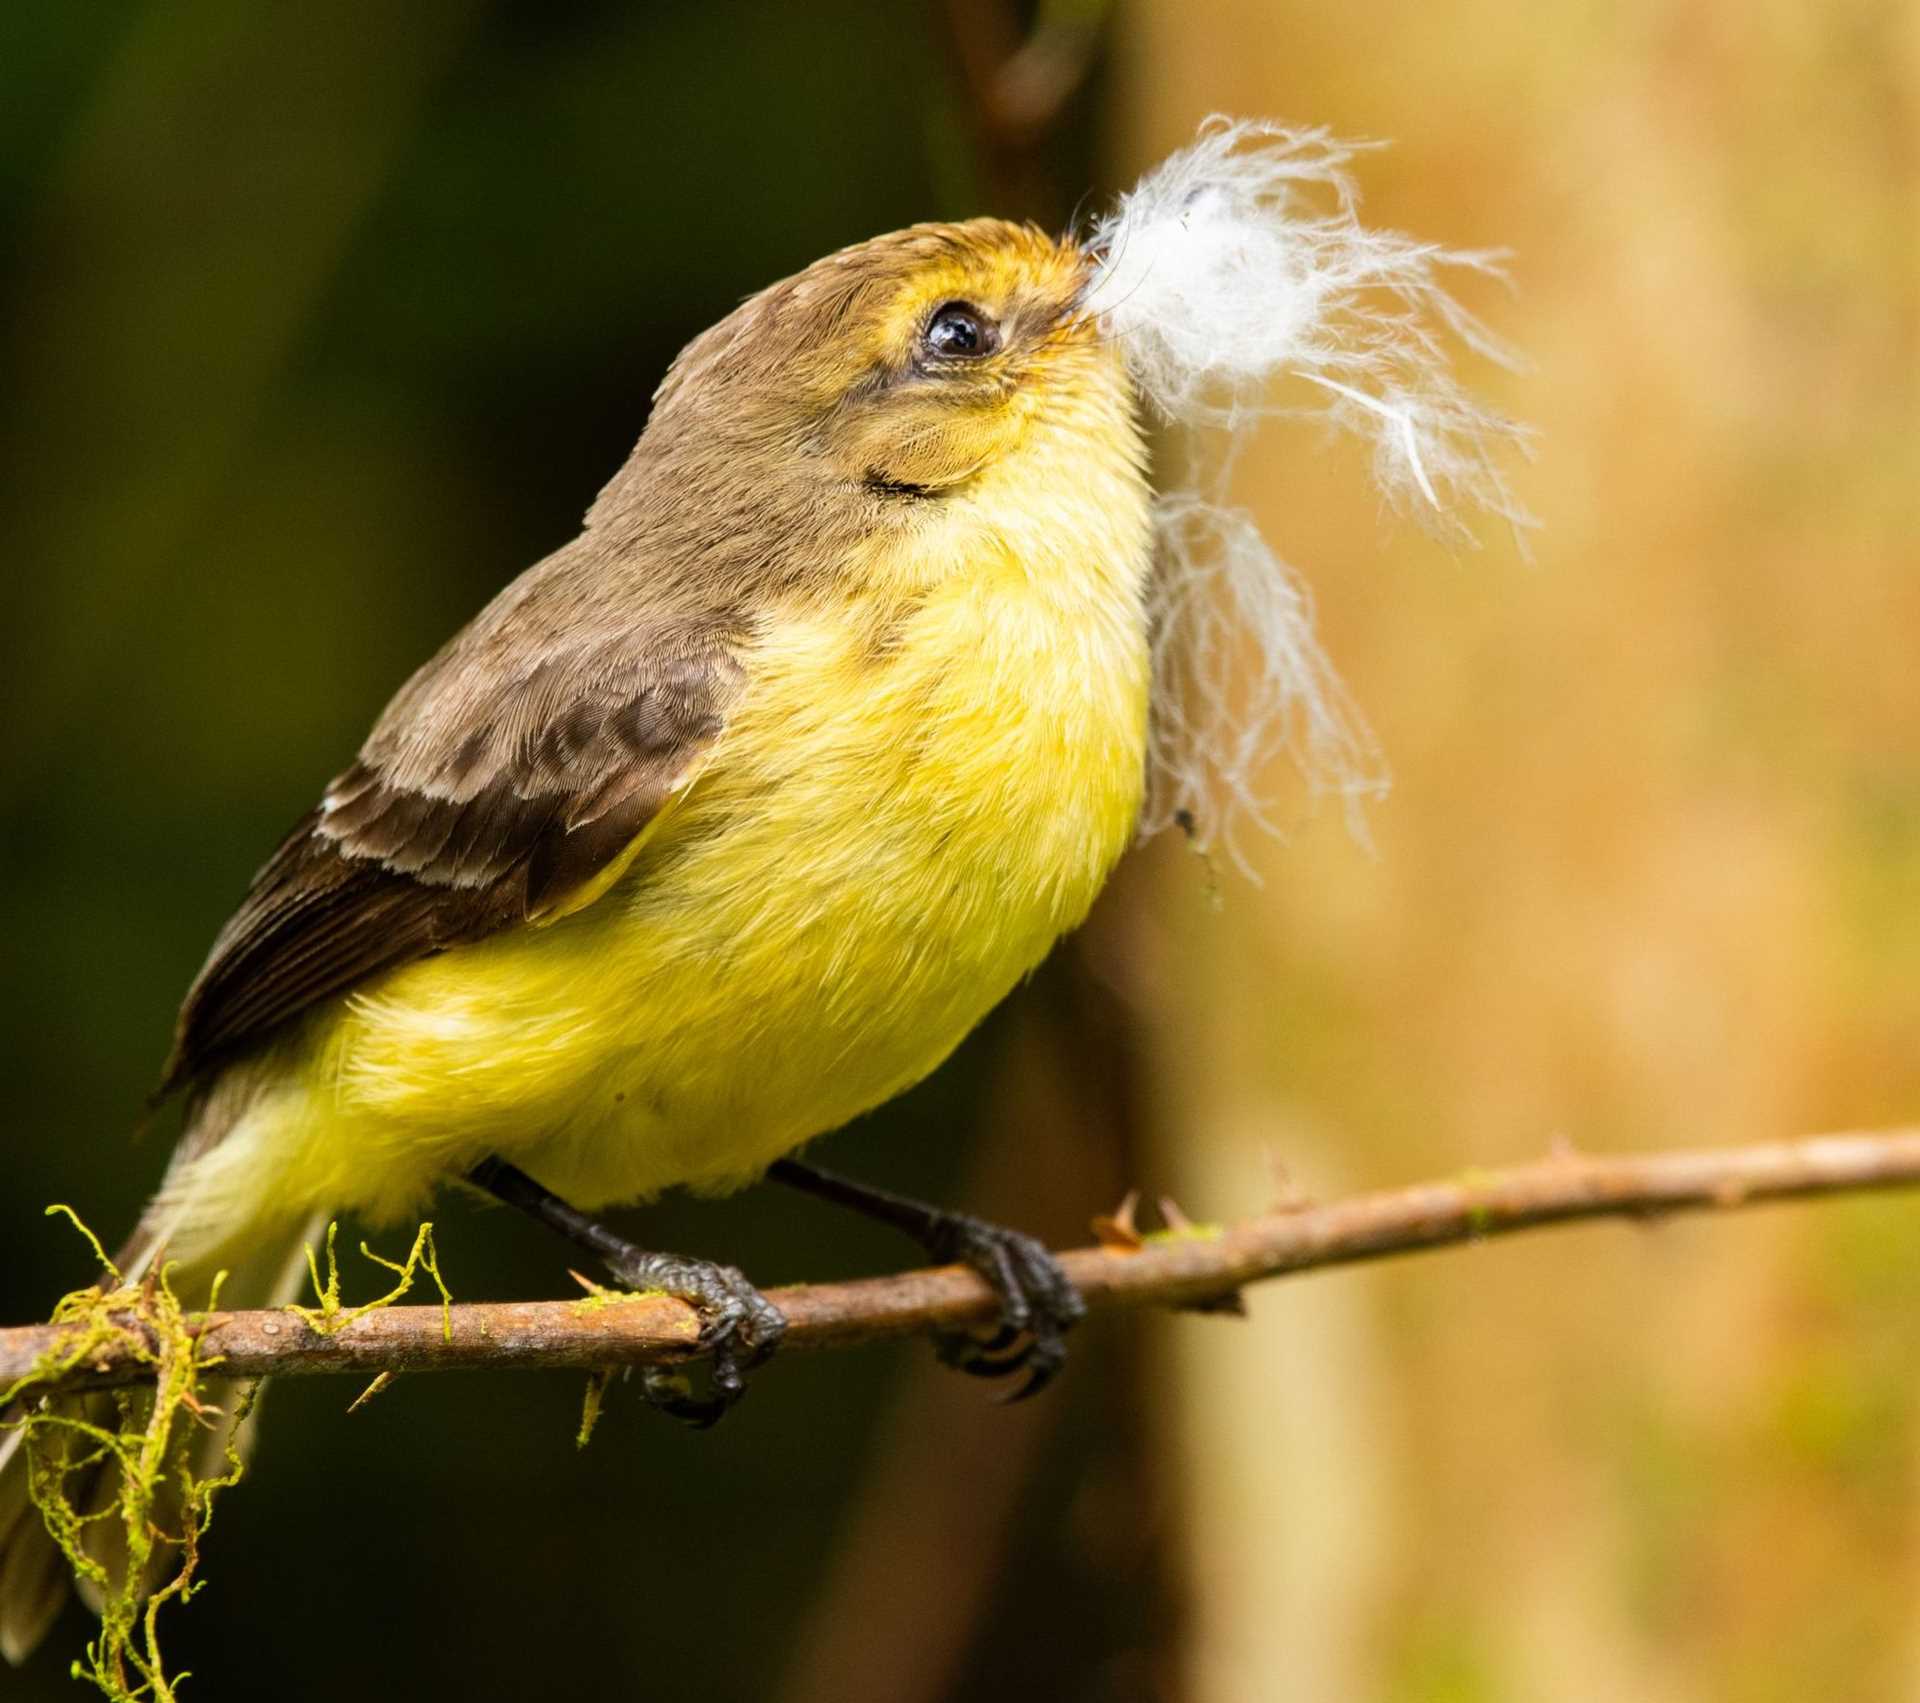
(1480, 1216)
(596, 1297)
(159, 1505)
(597, 1383)
(145, 1455)
(330, 1316)
(1185, 1233)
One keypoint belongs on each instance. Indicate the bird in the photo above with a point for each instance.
(721, 825)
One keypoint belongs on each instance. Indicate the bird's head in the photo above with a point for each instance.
(959, 385)
(901, 377)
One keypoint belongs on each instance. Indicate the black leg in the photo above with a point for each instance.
(739, 1327)
(1037, 1300)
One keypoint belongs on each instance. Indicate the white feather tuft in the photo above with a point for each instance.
(1242, 285)
(1238, 675)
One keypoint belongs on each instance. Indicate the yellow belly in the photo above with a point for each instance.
(882, 845)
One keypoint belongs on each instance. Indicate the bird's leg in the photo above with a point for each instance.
(739, 1327)
(1037, 1299)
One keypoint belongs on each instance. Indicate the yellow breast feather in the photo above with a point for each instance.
(919, 792)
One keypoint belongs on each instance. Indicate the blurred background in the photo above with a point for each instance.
(317, 324)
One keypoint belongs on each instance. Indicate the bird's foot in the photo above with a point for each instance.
(1038, 1303)
(739, 1329)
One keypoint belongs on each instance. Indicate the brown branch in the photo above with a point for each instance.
(1184, 1269)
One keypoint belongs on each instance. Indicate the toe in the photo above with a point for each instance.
(1038, 1305)
(670, 1392)
(1044, 1363)
(996, 1356)
(739, 1330)
(1043, 1281)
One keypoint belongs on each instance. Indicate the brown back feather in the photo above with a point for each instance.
(448, 829)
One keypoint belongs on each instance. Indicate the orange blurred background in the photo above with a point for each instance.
(1649, 875)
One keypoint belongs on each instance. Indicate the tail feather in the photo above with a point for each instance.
(34, 1575)
(33, 1583)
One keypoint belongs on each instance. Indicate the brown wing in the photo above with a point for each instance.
(508, 775)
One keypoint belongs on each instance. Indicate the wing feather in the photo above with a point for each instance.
(503, 783)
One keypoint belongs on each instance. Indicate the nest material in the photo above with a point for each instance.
(1243, 287)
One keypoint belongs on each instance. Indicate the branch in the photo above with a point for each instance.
(1180, 1269)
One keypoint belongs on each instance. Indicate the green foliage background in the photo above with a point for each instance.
(316, 325)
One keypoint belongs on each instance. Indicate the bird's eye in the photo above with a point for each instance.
(957, 331)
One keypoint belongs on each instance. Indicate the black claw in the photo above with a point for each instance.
(739, 1329)
(671, 1393)
(969, 1354)
(1043, 1360)
(1044, 1364)
(1038, 1304)
(1001, 1340)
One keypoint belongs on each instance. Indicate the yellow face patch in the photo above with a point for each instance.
(915, 421)
(1022, 280)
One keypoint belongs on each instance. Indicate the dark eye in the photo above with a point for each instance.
(957, 331)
